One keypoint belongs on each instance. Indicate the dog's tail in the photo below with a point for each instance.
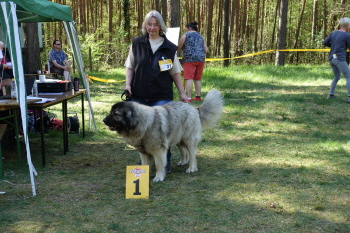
(211, 108)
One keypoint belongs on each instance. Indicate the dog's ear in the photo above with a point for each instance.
(117, 111)
(130, 116)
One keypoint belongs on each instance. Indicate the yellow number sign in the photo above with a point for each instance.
(165, 64)
(137, 181)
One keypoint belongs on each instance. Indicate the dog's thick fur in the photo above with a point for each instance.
(152, 130)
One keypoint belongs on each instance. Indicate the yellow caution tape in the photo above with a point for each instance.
(304, 50)
(90, 78)
(269, 51)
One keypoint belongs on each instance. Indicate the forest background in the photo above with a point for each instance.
(231, 28)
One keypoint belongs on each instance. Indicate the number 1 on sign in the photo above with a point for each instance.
(137, 181)
(137, 187)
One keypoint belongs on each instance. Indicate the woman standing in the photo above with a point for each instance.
(194, 50)
(339, 41)
(152, 67)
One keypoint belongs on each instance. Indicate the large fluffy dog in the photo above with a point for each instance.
(152, 130)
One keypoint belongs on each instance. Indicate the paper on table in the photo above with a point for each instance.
(48, 93)
(43, 100)
(33, 97)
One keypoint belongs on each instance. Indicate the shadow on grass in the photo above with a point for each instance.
(277, 161)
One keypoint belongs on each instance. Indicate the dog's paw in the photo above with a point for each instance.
(180, 164)
(157, 179)
(189, 170)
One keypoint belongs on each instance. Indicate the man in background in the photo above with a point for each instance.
(58, 60)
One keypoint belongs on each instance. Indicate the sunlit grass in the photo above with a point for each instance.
(277, 161)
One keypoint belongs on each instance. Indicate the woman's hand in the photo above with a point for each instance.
(128, 88)
(178, 83)
(183, 97)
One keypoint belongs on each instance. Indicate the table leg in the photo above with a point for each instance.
(82, 114)
(65, 127)
(15, 123)
(1, 165)
(42, 132)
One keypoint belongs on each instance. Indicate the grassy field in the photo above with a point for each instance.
(278, 161)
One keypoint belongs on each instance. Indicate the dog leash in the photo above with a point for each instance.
(125, 96)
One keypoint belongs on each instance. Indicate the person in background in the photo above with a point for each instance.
(194, 51)
(339, 41)
(58, 59)
(147, 81)
(4, 82)
(6, 73)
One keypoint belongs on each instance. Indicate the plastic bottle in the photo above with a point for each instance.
(35, 89)
(76, 84)
(13, 90)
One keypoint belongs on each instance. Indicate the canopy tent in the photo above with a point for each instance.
(14, 11)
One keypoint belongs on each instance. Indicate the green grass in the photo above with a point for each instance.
(278, 161)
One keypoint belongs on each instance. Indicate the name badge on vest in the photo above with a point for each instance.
(165, 64)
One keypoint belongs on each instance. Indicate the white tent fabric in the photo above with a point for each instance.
(9, 22)
(74, 44)
(10, 18)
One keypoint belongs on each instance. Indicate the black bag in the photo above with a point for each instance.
(34, 121)
(73, 123)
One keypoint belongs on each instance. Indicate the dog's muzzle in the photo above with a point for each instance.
(108, 124)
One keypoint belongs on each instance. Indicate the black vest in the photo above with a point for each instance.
(149, 83)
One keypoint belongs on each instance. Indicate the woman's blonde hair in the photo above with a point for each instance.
(159, 19)
(344, 22)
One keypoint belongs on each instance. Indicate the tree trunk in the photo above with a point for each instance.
(262, 25)
(236, 15)
(232, 20)
(140, 15)
(88, 24)
(101, 12)
(256, 26)
(314, 20)
(298, 29)
(299, 25)
(82, 16)
(126, 16)
(157, 5)
(226, 32)
(324, 24)
(274, 26)
(198, 16)
(219, 29)
(209, 22)
(189, 15)
(110, 19)
(282, 33)
(32, 51)
(164, 10)
(244, 18)
(174, 13)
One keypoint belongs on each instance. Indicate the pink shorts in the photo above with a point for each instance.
(193, 70)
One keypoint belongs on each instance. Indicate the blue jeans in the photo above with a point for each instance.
(151, 102)
(155, 103)
(339, 67)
